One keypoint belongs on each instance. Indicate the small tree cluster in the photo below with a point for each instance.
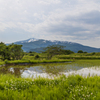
(80, 51)
(56, 50)
(12, 51)
(67, 52)
(53, 50)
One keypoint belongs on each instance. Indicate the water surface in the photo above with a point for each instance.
(51, 70)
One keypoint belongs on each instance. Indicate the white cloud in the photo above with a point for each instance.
(48, 2)
(74, 20)
(4, 26)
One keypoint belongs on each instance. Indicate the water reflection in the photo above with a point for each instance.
(92, 71)
(17, 71)
(50, 70)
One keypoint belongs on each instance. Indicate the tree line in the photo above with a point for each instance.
(15, 52)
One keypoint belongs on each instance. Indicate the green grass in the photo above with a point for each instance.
(62, 88)
(70, 56)
(2, 62)
(87, 63)
(37, 61)
(77, 57)
(57, 58)
(32, 60)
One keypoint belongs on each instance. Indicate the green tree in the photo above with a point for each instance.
(80, 51)
(67, 52)
(30, 51)
(16, 52)
(12, 51)
(4, 51)
(37, 56)
(53, 50)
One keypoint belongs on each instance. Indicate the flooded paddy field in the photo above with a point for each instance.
(50, 70)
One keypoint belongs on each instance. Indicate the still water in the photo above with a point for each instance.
(50, 70)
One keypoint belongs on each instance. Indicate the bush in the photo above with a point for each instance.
(31, 54)
(80, 51)
(93, 53)
(67, 52)
(6, 61)
(85, 52)
(37, 56)
(30, 51)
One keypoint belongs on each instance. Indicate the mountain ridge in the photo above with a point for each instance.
(37, 45)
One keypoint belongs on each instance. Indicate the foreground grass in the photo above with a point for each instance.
(2, 62)
(70, 88)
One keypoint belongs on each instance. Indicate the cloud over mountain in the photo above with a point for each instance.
(74, 20)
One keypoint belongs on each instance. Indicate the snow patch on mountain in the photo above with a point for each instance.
(44, 41)
(28, 40)
(53, 40)
(32, 40)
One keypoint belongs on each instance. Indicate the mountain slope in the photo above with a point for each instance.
(37, 45)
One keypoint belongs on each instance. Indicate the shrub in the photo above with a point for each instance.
(37, 56)
(85, 52)
(6, 61)
(80, 51)
(30, 51)
(93, 53)
(31, 54)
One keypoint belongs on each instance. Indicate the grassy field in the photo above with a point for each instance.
(35, 58)
(70, 56)
(62, 88)
(80, 56)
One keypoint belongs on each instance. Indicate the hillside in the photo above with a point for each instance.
(37, 45)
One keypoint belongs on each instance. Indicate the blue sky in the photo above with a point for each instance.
(65, 20)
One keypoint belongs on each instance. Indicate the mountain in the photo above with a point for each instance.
(37, 45)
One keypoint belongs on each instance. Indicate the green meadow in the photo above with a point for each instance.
(62, 88)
